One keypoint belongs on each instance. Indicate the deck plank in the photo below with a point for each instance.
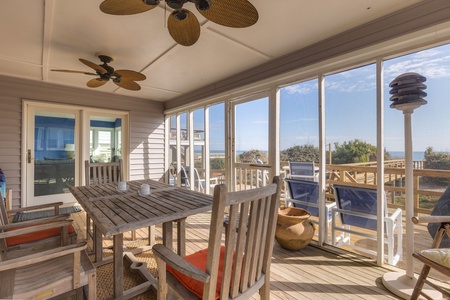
(311, 273)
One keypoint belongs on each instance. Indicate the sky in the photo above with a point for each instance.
(350, 101)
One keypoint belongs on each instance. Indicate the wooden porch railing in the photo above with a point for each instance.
(365, 175)
(250, 176)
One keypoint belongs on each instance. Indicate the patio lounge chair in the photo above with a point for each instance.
(305, 194)
(302, 170)
(237, 269)
(356, 210)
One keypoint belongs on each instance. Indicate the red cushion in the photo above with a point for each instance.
(35, 236)
(198, 259)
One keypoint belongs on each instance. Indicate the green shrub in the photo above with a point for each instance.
(217, 163)
(300, 153)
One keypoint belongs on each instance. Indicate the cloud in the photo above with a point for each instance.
(431, 63)
(302, 88)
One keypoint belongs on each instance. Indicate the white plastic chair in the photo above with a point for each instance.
(303, 170)
(305, 194)
(200, 182)
(356, 208)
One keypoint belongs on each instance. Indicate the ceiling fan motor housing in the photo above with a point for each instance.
(176, 4)
(151, 2)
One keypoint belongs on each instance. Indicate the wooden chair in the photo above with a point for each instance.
(237, 269)
(35, 235)
(434, 258)
(48, 274)
(102, 173)
(357, 213)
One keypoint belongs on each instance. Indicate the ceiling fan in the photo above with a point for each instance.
(183, 24)
(123, 78)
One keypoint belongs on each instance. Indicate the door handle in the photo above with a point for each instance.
(29, 156)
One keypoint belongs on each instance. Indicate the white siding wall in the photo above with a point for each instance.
(146, 126)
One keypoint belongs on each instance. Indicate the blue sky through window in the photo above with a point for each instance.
(351, 108)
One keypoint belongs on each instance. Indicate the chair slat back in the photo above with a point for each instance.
(248, 250)
(102, 173)
(360, 200)
(305, 191)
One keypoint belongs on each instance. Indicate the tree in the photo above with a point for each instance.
(354, 151)
(300, 153)
(217, 163)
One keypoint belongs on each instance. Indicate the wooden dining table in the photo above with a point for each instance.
(114, 212)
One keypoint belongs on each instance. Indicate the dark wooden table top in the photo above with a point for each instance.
(116, 211)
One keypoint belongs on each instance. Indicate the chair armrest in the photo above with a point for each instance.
(353, 213)
(214, 180)
(41, 256)
(34, 222)
(330, 205)
(397, 213)
(431, 219)
(36, 228)
(55, 205)
(179, 264)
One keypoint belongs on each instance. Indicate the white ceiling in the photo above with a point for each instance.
(39, 35)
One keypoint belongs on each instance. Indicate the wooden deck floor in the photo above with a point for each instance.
(311, 273)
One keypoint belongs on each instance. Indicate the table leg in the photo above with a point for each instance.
(167, 229)
(118, 265)
(98, 244)
(151, 235)
(181, 237)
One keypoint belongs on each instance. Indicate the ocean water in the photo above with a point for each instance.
(417, 155)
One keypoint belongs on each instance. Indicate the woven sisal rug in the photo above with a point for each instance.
(105, 274)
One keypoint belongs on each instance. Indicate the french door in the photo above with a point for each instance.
(59, 138)
(52, 163)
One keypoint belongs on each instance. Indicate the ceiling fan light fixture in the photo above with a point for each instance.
(180, 14)
(203, 5)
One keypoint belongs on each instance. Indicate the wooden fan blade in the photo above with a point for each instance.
(131, 75)
(94, 66)
(185, 32)
(128, 85)
(124, 7)
(231, 13)
(72, 71)
(96, 82)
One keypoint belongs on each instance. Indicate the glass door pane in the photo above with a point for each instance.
(105, 139)
(51, 159)
(251, 144)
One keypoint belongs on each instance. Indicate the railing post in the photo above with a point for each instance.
(416, 194)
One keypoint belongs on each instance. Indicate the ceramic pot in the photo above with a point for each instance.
(294, 231)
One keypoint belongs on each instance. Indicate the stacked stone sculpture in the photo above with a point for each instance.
(408, 88)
